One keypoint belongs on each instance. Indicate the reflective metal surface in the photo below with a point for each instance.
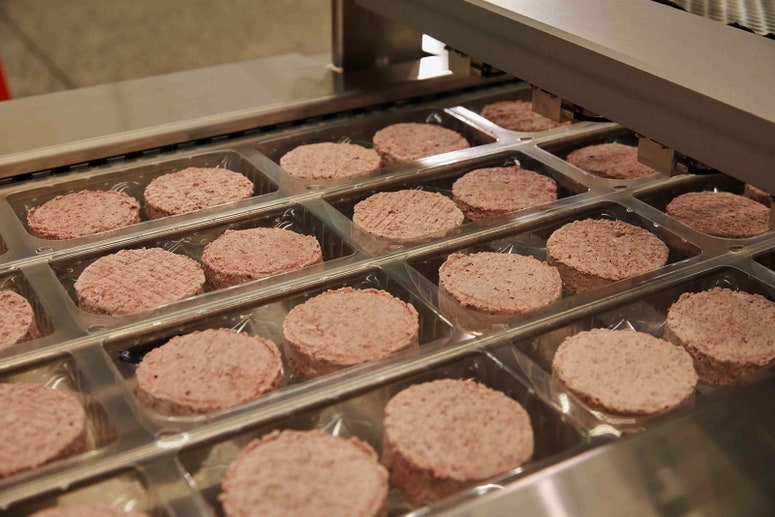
(687, 82)
(85, 124)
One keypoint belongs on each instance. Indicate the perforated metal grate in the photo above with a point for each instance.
(757, 16)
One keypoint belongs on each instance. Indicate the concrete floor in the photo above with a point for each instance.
(52, 45)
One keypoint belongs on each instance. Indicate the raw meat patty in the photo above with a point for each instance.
(83, 213)
(87, 510)
(592, 253)
(206, 371)
(192, 189)
(345, 327)
(518, 116)
(296, 473)
(485, 193)
(443, 436)
(133, 281)
(722, 214)
(328, 160)
(411, 141)
(407, 215)
(239, 256)
(17, 320)
(757, 195)
(38, 425)
(500, 283)
(729, 333)
(614, 161)
(625, 372)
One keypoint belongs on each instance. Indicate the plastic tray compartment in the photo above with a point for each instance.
(191, 244)
(134, 180)
(562, 147)
(17, 283)
(477, 104)
(360, 130)
(659, 197)
(361, 416)
(440, 180)
(645, 313)
(265, 319)
(530, 242)
(62, 373)
(123, 490)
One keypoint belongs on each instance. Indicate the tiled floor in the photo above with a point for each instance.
(52, 45)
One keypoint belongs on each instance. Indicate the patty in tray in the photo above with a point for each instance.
(443, 436)
(625, 372)
(39, 425)
(518, 116)
(132, 281)
(239, 256)
(613, 161)
(329, 160)
(407, 215)
(302, 473)
(757, 194)
(500, 283)
(722, 214)
(592, 253)
(194, 188)
(17, 319)
(83, 213)
(729, 333)
(207, 370)
(490, 192)
(346, 327)
(409, 141)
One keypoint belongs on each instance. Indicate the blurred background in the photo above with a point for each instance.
(53, 45)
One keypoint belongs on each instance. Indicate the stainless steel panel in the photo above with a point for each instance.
(685, 81)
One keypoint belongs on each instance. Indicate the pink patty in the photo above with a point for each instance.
(17, 319)
(207, 371)
(757, 194)
(83, 213)
(729, 333)
(239, 256)
(329, 160)
(443, 435)
(517, 116)
(132, 281)
(500, 283)
(406, 142)
(328, 332)
(295, 473)
(484, 193)
(625, 372)
(38, 425)
(720, 213)
(407, 215)
(194, 188)
(591, 253)
(615, 161)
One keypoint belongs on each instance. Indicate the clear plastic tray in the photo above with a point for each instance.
(174, 465)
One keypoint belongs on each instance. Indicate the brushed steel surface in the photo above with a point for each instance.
(80, 125)
(685, 81)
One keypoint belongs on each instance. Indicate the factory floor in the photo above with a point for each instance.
(52, 45)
